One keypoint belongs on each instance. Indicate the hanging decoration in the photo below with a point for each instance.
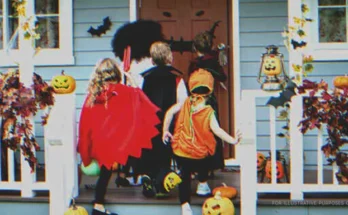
(101, 29)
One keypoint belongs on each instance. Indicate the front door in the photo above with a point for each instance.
(183, 19)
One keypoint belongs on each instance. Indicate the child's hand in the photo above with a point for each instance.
(238, 137)
(167, 137)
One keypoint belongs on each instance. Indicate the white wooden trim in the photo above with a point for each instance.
(133, 10)
(236, 73)
(320, 179)
(272, 131)
(10, 165)
(274, 188)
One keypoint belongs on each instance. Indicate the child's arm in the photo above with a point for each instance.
(166, 135)
(218, 131)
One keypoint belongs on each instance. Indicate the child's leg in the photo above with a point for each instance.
(102, 183)
(185, 185)
(101, 187)
(203, 188)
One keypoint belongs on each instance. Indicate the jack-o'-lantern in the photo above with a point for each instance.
(218, 205)
(260, 161)
(341, 82)
(63, 84)
(279, 169)
(76, 210)
(271, 65)
(226, 191)
(170, 181)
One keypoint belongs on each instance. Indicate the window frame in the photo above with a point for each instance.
(47, 57)
(323, 51)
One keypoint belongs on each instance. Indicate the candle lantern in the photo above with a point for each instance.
(272, 67)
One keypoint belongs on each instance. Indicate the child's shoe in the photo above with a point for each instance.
(148, 190)
(186, 209)
(203, 189)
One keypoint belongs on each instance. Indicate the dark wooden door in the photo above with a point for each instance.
(184, 19)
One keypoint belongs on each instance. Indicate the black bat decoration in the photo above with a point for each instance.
(101, 29)
(284, 96)
(296, 44)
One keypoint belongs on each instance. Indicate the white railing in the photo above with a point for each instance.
(60, 159)
(250, 187)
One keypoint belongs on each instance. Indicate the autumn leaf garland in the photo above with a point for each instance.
(17, 105)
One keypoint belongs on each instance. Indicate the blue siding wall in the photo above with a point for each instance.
(87, 49)
(261, 24)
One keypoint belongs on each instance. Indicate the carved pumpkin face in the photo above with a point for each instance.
(271, 65)
(280, 170)
(260, 161)
(341, 82)
(218, 205)
(63, 84)
(171, 180)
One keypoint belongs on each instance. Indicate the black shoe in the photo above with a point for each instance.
(96, 212)
(148, 190)
(123, 182)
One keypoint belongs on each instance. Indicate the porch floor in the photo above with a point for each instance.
(133, 195)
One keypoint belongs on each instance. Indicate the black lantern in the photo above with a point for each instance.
(272, 67)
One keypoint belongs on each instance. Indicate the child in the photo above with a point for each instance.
(193, 141)
(111, 116)
(208, 59)
(164, 86)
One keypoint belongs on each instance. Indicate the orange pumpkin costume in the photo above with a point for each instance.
(192, 134)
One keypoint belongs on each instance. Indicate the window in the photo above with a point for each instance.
(328, 35)
(54, 18)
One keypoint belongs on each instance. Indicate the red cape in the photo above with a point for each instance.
(119, 125)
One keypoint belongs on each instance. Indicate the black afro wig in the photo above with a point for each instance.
(139, 35)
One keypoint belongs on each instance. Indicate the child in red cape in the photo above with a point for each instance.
(116, 122)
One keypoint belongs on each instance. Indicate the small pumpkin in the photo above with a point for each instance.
(76, 210)
(280, 169)
(63, 84)
(218, 205)
(341, 82)
(226, 191)
(260, 161)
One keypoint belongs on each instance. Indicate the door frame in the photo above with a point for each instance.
(234, 53)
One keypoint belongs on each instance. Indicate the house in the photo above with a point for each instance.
(247, 27)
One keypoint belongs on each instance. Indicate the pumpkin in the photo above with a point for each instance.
(63, 84)
(226, 191)
(218, 205)
(92, 169)
(341, 82)
(170, 181)
(271, 65)
(76, 210)
(260, 161)
(280, 169)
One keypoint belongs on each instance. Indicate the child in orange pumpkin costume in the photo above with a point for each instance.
(193, 141)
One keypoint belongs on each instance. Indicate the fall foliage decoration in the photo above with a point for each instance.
(330, 108)
(63, 84)
(226, 191)
(218, 205)
(18, 104)
(76, 210)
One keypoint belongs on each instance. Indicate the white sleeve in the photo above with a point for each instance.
(181, 92)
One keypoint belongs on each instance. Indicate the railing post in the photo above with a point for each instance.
(247, 148)
(296, 148)
(60, 143)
